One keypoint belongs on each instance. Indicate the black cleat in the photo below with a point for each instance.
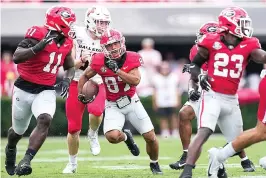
(155, 168)
(221, 172)
(132, 146)
(248, 166)
(23, 168)
(181, 163)
(10, 160)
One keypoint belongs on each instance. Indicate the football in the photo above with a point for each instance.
(90, 89)
(262, 162)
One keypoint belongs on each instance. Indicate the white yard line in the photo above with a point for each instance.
(137, 167)
(117, 158)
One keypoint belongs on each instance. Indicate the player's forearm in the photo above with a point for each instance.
(192, 85)
(70, 73)
(22, 55)
(129, 78)
(78, 64)
(82, 80)
(195, 71)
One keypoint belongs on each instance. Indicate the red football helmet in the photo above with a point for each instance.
(236, 21)
(113, 44)
(209, 27)
(60, 19)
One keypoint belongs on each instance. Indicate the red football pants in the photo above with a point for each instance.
(75, 109)
(262, 105)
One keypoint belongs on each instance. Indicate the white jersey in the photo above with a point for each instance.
(85, 45)
(166, 90)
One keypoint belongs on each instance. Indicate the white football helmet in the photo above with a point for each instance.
(97, 20)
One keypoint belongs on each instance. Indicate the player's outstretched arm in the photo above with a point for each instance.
(29, 47)
(195, 66)
(69, 75)
(193, 92)
(258, 55)
(132, 77)
(69, 66)
(87, 75)
(23, 51)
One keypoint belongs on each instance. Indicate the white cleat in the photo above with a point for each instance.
(94, 144)
(214, 163)
(70, 168)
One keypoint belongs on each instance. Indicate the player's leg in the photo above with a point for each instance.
(164, 127)
(43, 108)
(114, 120)
(186, 115)
(96, 109)
(231, 125)
(21, 116)
(174, 122)
(74, 113)
(245, 139)
(139, 118)
(208, 116)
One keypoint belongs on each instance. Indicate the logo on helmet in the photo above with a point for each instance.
(212, 29)
(91, 11)
(229, 13)
(65, 14)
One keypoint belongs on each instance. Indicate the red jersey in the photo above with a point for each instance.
(43, 67)
(192, 54)
(115, 87)
(225, 66)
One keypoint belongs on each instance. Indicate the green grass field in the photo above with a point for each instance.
(116, 160)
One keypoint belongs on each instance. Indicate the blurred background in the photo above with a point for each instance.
(162, 31)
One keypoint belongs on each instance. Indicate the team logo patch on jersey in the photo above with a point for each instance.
(103, 69)
(217, 45)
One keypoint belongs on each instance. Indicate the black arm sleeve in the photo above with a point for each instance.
(24, 51)
(199, 60)
(195, 66)
(28, 43)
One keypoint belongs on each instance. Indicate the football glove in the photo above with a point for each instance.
(203, 81)
(112, 65)
(83, 99)
(193, 95)
(64, 84)
(186, 68)
(51, 35)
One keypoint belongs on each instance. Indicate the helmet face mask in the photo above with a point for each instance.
(97, 20)
(113, 44)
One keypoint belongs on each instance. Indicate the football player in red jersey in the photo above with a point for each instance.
(190, 109)
(39, 55)
(227, 53)
(119, 71)
(248, 137)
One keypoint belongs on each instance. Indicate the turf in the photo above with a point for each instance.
(116, 160)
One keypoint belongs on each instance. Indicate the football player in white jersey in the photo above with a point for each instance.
(87, 42)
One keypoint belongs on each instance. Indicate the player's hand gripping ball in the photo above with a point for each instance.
(89, 92)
